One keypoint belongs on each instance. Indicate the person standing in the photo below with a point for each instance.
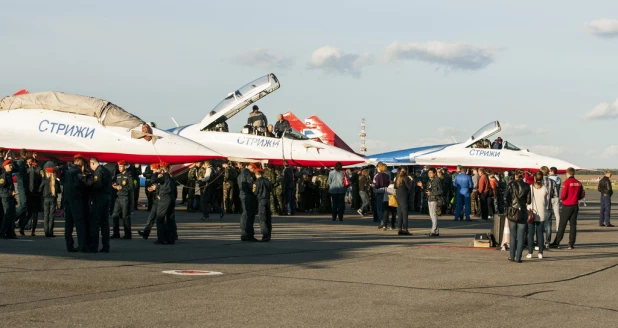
(474, 196)
(152, 190)
(403, 188)
(166, 194)
(484, 188)
(363, 190)
(288, 186)
(229, 184)
(148, 176)
(207, 182)
(552, 193)
(123, 183)
(381, 181)
(247, 201)
(35, 202)
(555, 201)
(135, 185)
(540, 207)
(192, 185)
(75, 211)
(572, 193)
(49, 189)
(271, 176)
(262, 192)
(281, 126)
(518, 198)
(434, 193)
(605, 188)
(20, 168)
(7, 195)
(463, 186)
(101, 192)
(337, 191)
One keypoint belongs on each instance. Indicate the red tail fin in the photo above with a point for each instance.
(295, 123)
(325, 133)
(21, 92)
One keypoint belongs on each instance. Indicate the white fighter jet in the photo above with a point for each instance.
(251, 144)
(59, 125)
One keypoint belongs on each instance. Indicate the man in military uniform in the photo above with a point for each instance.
(101, 191)
(263, 190)
(20, 168)
(166, 194)
(206, 180)
(257, 119)
(132, 172)
(248, 202)
(288, 188)
(74, 188)
(7, 196)
(191, 185)
(322, 185)
(135, 185)
(229, 184)
(152, 189)
(148, 175)
(123, 184)
(271, 176)
(35, 201)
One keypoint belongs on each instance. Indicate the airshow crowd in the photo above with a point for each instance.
(89, 193)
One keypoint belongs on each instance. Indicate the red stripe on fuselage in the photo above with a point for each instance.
(67, 156)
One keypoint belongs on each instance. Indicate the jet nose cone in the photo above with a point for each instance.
(175, 149)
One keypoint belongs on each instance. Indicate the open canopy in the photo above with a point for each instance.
(104, 111)
(240, 99)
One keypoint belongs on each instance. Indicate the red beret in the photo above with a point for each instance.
(154, 166)
(253, 165)
(163, 164)
(7, 162)
(49, 170)
(258, 170)
(122, 162)
(78, 156)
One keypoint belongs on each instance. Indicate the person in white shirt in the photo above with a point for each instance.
(539, 207)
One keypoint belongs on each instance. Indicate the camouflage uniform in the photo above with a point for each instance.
(229, 184)
(191, 179)
(271, 176)
(322, 185)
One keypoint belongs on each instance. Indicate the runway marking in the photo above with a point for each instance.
(192, 273)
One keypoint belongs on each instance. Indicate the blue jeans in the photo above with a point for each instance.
(538, 227)
(517, 239)
(461, 201)
(606, 206)
(289, 199)
(547, 229)
(338, 201)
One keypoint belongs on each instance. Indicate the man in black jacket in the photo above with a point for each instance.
(605, 188)
(281, 126)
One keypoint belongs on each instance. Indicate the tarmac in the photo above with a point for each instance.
(314, 273)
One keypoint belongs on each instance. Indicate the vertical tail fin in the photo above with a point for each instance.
(325, 133)
(21, 92)
(295, 123)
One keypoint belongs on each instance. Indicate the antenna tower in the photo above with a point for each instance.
(363, 134)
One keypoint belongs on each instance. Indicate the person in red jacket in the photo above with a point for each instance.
(484, 193)
(572, 193)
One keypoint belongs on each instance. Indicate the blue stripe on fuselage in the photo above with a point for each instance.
(177, 130)
(404, 154)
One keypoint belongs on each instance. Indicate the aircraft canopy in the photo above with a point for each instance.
(106, 113)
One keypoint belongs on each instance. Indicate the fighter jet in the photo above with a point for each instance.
(59, 125)
(252, 144)
(477, 151)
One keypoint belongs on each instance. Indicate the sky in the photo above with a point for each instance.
(419, 72)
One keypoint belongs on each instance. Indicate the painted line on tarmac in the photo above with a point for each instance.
(192, 273)
(457, 247)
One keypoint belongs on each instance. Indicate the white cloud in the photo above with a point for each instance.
(547, 150)
(610, 151)
(603, 111)
(513, 130)
(604, 27)
(334, 60)
(262, 58)
(449, 131)
(460, 56)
